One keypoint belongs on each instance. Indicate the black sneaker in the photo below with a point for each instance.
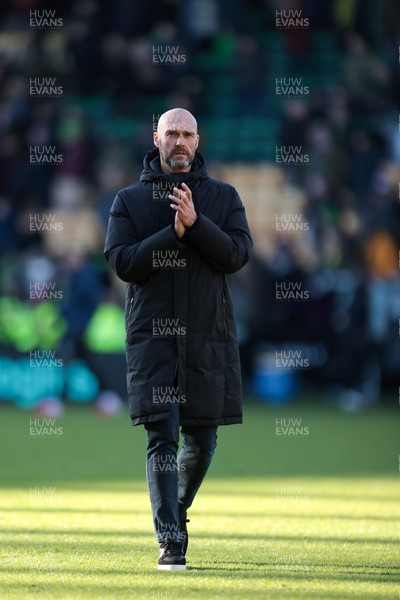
(171, 557)
(184, 535)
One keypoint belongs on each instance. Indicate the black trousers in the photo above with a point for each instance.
(173, 480)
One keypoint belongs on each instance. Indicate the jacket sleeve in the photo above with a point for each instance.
(129, 257)
(226, 248)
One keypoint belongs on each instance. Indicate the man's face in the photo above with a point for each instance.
(177, 142)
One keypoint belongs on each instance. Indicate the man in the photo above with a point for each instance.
(173, 237)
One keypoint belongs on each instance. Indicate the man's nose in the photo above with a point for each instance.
(180, 141)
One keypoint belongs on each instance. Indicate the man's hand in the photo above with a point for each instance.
(179, 226)
(184, 206)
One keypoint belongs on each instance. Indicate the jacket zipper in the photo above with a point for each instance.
(176, 373)
(130, 313)
(224, 316)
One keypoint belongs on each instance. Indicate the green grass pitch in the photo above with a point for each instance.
(306, 516)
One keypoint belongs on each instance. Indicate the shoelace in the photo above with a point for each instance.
(170, 547)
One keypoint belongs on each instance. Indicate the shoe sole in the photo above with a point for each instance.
(171, 567)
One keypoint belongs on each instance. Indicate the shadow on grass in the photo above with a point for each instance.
(309, 572)
(220, 536)
(250, 571)
(258, 515)
(231, 489)
(81, 451)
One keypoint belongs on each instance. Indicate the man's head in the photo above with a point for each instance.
(177, 139)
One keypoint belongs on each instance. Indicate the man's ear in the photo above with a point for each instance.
(198, 140)
(155, 139)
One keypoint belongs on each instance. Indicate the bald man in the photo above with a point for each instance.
(174, 237)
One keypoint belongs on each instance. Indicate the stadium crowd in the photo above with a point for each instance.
(90, 90)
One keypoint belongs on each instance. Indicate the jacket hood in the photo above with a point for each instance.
(152, 169)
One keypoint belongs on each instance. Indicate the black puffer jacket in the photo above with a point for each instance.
(181, 337)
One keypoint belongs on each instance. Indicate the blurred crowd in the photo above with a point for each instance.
(89, 87)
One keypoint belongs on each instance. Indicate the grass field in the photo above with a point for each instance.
(309, 516)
